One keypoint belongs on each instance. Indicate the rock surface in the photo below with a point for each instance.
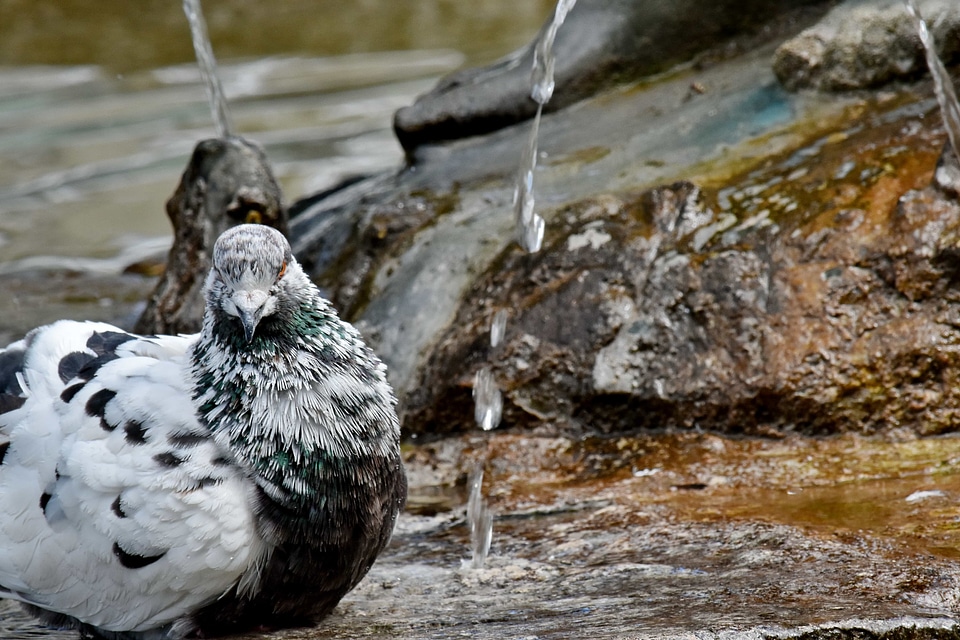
(668, 537)
(659, 311)
(810, 290)
(602, 44)
(866, 43)
(673, 536)
(414, 242)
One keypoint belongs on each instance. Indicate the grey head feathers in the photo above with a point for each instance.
(249, 262)
(250, 254)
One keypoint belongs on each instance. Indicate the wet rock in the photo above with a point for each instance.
(763, 307)
(866, 43)
(344, 247)
(624, 576)
(806, 280)
(228, 181)
(452, 213)
(625, 537)
(601, 44)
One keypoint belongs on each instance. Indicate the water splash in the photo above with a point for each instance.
(488, 407)
(529, 224)
(487, 411)
(946, 96)
(487, 399)
(208, 67)
(481, 521)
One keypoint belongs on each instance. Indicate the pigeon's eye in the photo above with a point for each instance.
(283, 270)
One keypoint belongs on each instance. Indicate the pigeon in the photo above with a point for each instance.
(162, 487)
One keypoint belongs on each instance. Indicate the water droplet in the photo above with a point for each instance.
(532, 239)
(488, 401)
(480, 519)
(498, 327)
(529, 225)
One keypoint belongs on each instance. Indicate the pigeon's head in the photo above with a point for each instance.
(251, 275)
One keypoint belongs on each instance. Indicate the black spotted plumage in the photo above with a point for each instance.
(104, 342)
(207, 482)
(70, 392)
(135, 432)
(90, 368)
(134, 560)
(71, 364)
(187, 440)
(97, 403)
(117, 507)
(168, 459)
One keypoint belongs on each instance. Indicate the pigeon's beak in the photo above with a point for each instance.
(249, 323)
(249, 310)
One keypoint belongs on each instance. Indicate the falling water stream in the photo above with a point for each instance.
(208, 67)
(530, 225)
(488, 399)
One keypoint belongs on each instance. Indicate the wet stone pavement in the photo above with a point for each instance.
(672, 535)
(668, 536)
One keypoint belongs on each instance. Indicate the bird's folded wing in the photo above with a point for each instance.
(116, 505)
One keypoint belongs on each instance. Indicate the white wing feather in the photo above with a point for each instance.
(117, 508)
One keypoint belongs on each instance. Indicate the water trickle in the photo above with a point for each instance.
(487, 399)
(498, 327)
(481, 521)
(946, 96)
(529, 224)
(543, 58)
(208, 67)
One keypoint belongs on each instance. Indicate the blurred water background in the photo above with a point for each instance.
(100, 104)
